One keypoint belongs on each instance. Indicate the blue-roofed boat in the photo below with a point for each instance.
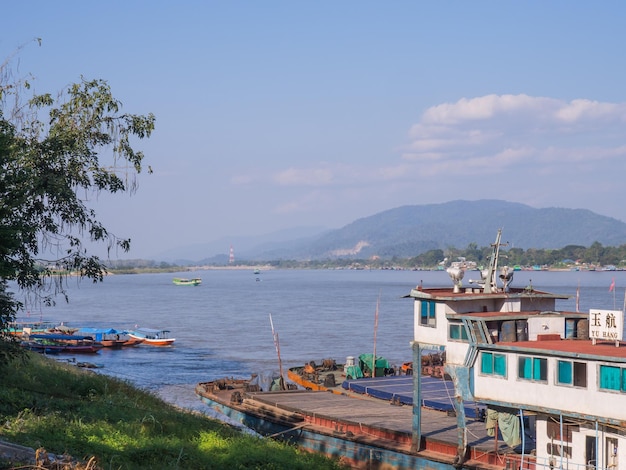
(110, 337)
(50, 343)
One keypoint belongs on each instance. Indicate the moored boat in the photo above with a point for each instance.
(152, 337)
(550, 385)
(538, 371)
(326, 376)
(62, 330)
(362, 433)
(179, 281)
(110, 337)
(51, 343)
(122, 342)
(20, 328)
(395, 388)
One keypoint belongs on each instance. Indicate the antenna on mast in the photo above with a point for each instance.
(375, 332)
(490, 279)
(280, 362)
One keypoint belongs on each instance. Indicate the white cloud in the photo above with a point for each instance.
(484, 108)
(487, 146)
(578, 110)
(500, 132)
(485, 135)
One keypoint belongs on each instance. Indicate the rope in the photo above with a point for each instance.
(288, 430)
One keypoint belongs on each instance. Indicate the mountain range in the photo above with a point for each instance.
(408, 231)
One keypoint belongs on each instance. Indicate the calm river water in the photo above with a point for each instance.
(222, 327)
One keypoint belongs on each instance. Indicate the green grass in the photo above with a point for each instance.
(66, 410)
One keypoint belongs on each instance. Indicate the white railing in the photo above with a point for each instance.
(556, 463)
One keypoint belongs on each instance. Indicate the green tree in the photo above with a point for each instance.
(56, 154)
(429, 258)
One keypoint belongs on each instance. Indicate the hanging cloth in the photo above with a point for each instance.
(508, 425)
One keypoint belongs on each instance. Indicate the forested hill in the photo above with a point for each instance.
(411, 230)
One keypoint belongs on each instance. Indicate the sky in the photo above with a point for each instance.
(272, 115)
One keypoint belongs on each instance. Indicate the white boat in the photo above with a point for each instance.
(554, 379)
(152, 337)
(531, 387)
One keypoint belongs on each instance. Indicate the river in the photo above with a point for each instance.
(222, 327)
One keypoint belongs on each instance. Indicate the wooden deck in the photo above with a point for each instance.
(348, 424)
(435, 425)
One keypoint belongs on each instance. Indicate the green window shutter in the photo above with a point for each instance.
(424, 312)
(536, 369)
(565, 372)
(432, 314)
(486, 363)
(464, 333)
(499, 365)
(542, 364)
(610, 377)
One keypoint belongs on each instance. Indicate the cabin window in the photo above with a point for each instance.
(533, 368)
(456, 331)
(611, 453)
(558, 450)
(427, 313)
(493, 364)
(611, 378)
(556, 431)
(572, 373)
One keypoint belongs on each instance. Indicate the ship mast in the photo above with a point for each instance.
(375, 331)
(490, 279)
(280, 362)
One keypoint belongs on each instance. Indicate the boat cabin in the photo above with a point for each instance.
(553, 383)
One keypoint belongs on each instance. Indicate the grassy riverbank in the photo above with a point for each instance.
(44, 403)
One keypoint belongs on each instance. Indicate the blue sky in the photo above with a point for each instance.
(279, 114)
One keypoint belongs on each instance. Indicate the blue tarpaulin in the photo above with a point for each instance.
(98, 334)
(437, 393)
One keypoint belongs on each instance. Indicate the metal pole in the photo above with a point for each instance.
(417, 397)
(561, 427)
(597, 444)
(521, 417)
(277, 345)
(375, 331)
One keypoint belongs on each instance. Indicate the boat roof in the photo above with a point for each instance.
(58, 336)
(106, 331)
(524, 314)
(473, 293)
(575, 348)
(22, 323)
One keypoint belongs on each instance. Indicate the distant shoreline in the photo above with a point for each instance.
(232, 268)
(267, 267)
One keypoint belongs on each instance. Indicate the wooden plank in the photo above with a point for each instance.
(436, 425)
